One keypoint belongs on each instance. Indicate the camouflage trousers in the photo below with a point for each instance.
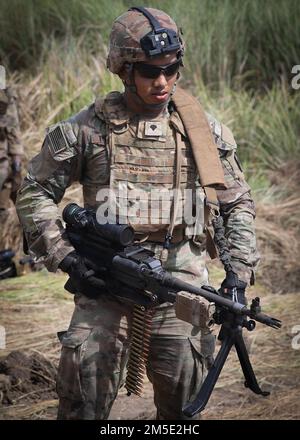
(96, 346)
(95, 353)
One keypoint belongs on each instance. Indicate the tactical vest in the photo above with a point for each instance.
(151, 158)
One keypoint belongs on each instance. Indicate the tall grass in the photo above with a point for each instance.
(26, 26)
(237, 42)
(266, 126)
(68, 79)
(249, 42)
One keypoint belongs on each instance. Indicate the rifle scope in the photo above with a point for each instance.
(85, 219)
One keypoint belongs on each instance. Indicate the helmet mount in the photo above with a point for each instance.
(159, 40)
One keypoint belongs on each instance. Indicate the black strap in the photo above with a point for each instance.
(154, 23)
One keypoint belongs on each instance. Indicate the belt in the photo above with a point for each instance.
(159, 236)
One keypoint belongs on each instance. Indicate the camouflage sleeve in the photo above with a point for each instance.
(15, 146)
(237, 207)
(49, 174)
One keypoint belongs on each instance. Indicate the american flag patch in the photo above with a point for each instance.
(57, 139)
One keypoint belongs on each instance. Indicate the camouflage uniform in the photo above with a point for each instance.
(10, 144)
(95, 347)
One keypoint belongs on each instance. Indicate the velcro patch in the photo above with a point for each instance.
(57, 140)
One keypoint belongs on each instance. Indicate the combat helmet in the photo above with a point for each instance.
(140, 34)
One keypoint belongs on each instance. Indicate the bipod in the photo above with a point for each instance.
(230, 334)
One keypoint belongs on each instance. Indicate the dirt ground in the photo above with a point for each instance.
(34, 307)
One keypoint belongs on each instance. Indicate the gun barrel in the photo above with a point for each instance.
(205, 291)
(265, 319)
(212, 295)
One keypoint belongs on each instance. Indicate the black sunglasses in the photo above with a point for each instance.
(151, 71)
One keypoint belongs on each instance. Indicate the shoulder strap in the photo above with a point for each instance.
(206, 157)
(204, 148)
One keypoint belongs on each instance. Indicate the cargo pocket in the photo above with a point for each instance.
(199, 368)
(74, 344)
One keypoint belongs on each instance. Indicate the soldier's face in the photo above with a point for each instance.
(156, 89)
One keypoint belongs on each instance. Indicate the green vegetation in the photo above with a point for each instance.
(239, 56)
(26, 27)
(248, 42)
(266, 126)
(15, 290)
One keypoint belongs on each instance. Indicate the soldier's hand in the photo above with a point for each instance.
(233, 287)
(83, 277)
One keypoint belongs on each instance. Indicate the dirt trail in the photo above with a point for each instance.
(34, 307)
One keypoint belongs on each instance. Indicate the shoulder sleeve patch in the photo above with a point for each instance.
(217, 128)
(227, 136)
(222, 134)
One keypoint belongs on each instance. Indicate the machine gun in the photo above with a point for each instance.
(133, 273)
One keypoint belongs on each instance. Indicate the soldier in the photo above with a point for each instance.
(11, 150)
(146, 138)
